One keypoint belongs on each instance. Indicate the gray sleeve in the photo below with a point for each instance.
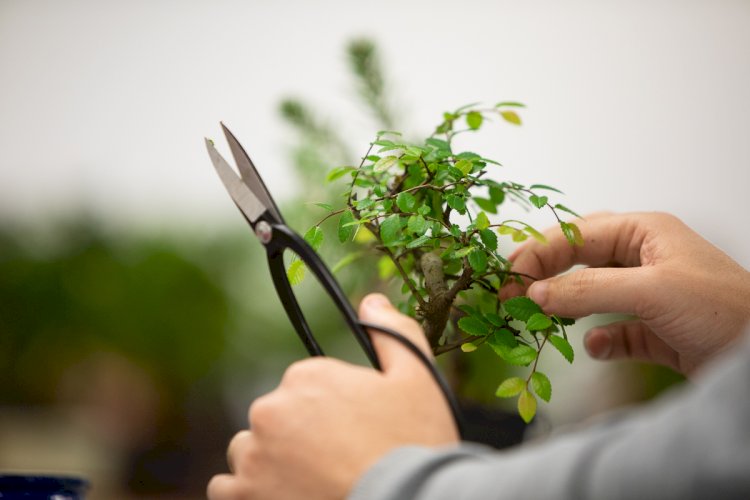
(694, 443)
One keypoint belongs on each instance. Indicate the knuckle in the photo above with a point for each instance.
(262, 413)
(302, 371)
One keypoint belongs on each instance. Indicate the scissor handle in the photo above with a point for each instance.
(281, 238)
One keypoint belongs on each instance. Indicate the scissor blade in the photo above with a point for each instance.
(247, 202)
(250, 174)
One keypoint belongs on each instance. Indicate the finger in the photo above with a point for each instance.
(240, 442)
(593, 290)
(629, 339)
(224, 487)
(609, 239)
(376, 308)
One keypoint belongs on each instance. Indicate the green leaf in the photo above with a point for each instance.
(562, 207)
(314, 237)
(465, 166)
(389, 229)
(469, 347)
(474, 119)
(527, 406)
(520, 355)
(338, 172)
(495, 319)
(346, 260)
(497, 195)
(387, 132)
(542, 386)
(417, 225)
(521, 308)
(385, 163)
(510, 387)
(406, 202)
(544, 186)
(489, 238)
(296, 272)
(538, 201)
(536, 235)
(505, 338)
(572, 233)
(438, 144)
(538, 322)
(386, 267)
(510, 104)
(418, 242)
(563, 346)
(456, 202)
(511, 117)
(485, 204)
(324, 206)
(473, 326)
(346, 229)
(478, 260)
(482, 222)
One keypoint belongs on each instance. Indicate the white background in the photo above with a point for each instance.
(632, 105)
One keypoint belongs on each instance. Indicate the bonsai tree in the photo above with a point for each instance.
(434, 216)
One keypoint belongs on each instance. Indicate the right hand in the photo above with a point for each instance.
(692, 301)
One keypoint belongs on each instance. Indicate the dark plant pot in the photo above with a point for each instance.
(32, 487)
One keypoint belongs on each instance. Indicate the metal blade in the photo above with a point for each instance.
(250, 174)
(247, 202)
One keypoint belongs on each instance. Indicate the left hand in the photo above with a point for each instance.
(329, 421)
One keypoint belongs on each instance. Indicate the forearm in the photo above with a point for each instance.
(692, 444)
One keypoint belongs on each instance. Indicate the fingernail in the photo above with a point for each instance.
(538, 292)
(598, 343)
(377, 301)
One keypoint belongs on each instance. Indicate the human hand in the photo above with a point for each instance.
(329, 421)
(691, 299)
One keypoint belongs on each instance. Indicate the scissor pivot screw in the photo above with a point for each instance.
(264, 232)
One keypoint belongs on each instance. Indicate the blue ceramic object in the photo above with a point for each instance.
(28, 487)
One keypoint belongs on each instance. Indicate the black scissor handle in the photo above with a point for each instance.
(282, 238)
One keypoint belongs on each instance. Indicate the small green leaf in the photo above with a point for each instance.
(314, 237)
(474, 119)
(417, 225)
(521, 308)
(544, 186)
(418, 242)
(511, 117)
(538, 322)
(485, 204)
(542, 386)
(563, 346)
(482, 222)
(510, 104)
(520, 355)
(386, 267)
(324, 206)
(504, 337)
(346, 260)
(385, 163)
(536, 235)
(489, 238)
(495, 319)
(468, 347)
(510, 387)
(497, 195)
(478, 260)
(406, 202)
(456, 202)
(572, 233)
(465, 166)
(389, 229)
(346, 229)
(473, 326)
(438, 144)
(338, 172)
(538, 201)
(527, 406)
(562, 207)
(296, 272)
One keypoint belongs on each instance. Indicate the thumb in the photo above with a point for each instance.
(629, 339)
(376, 308)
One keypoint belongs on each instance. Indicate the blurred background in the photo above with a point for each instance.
(137, 318)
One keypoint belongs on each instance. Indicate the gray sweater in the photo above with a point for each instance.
(691, 443)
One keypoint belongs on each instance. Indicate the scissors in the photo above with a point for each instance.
(251, 196)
